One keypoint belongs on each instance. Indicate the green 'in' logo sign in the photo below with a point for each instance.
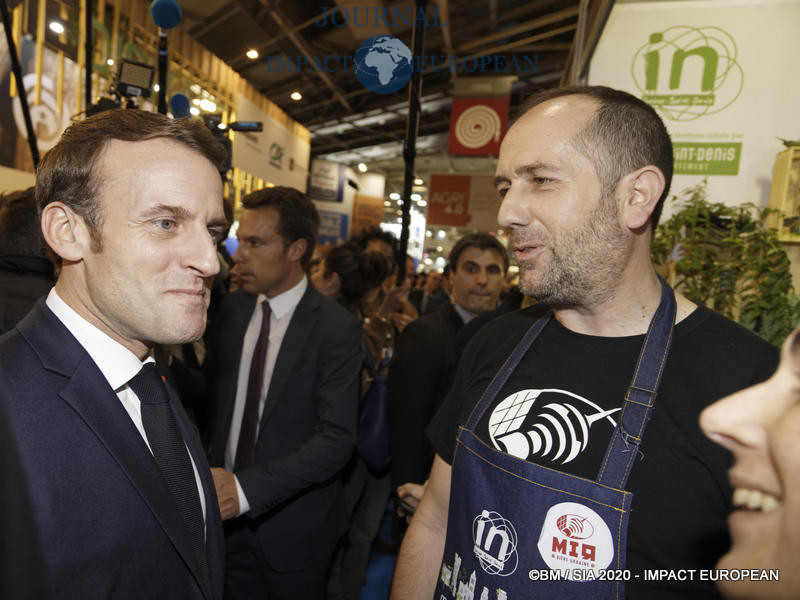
(688, 72)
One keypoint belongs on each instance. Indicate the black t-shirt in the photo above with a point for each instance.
(561, 405)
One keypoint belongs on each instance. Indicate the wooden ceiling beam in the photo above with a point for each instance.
(555, 17)
(284, 24)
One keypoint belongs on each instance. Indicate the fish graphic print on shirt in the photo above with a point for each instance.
(549, 426)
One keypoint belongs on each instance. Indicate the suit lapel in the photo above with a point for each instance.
(294, 341)
(452, 317)
(91, 397)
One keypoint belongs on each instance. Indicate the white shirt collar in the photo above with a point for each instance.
(465, 315)
(287, 301)
(115, 361)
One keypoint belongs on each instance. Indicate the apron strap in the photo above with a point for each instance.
(641, 395)
(507, 369)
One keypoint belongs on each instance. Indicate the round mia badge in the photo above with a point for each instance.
(574, 537)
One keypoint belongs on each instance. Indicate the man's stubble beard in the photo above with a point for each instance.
(584, 263)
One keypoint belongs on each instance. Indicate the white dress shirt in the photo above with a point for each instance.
(282, 308)
(117, 364)
(465, 315)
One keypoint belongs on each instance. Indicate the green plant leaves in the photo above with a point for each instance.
(727, 259)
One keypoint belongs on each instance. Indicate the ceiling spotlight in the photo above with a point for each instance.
(57, 27)
(296, 96)
(387, 203)
(362, 167)
(252, 54)
(441, 234)
(222, 126)
(208, 106)
(422, 203)
(418, 181)
(416, 197)
(110, 62)
(394, 196)
(194, 110)
(156, 87)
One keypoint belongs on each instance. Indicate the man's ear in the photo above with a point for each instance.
(297, 249)
(65, 232)
(639, 192)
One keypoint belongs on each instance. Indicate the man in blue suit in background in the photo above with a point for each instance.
(122, 497)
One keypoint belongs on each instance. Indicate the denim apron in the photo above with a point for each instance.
(517, 530)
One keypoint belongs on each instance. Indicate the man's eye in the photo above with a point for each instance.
(542, 180)
(165, 224)
(215, 234)
(502, 192)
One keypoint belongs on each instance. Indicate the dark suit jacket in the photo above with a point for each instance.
(21, 565)
(108, 524)
(420, 376)
(307, 430)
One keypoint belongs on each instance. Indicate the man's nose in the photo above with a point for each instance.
(203, 254)
(514, 209)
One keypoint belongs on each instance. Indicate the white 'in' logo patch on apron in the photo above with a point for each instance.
(574, 537)
(495, 543)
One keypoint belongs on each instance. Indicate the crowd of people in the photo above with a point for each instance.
(176, 422)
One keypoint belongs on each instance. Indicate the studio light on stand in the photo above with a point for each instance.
(134, 80)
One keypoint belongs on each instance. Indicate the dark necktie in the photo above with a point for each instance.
(246, 448)
(170, 453)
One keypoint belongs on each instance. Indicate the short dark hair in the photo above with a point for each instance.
(625, 134)
(20, 231)
(481, 241)
(68, 174)
(358, 271)
(376, 233)
(298, 217)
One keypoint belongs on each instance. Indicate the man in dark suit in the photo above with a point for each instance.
(284, 362)
(425, 359)
(121, 493)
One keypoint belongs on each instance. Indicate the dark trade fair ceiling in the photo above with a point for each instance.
(351, 124)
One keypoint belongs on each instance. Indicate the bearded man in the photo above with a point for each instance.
(570, 463)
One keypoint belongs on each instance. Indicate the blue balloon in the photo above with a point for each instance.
(179, 105)
(231, 244)
(166, 13)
